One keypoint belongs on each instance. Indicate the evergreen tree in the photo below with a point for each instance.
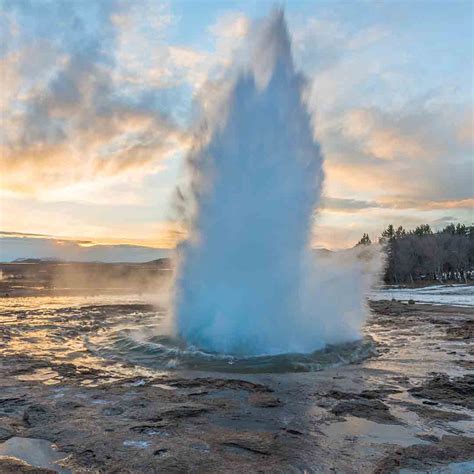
(422, 254)
(365, 240)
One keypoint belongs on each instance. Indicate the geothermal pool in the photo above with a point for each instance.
(97, 331)
(94, 329)
(89, 375)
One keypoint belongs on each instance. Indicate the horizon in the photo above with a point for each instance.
(65, 250)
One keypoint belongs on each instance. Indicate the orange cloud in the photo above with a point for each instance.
(383, 140)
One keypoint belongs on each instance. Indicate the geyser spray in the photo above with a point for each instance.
(247, 282)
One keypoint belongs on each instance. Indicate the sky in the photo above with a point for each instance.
(98, 102)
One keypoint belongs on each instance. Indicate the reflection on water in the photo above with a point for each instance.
(451, 468)
(88, 331)
(120, 334)
(454, 295)
(382, 433)
(37, 452)
(52, 331)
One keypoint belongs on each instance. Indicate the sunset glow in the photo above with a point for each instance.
(97, 113)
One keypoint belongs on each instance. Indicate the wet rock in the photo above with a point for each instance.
(466, 364)
(427, 437)
(463, 332)
(373, 410)
(36, 414)
(112, 411)
(184, 411)
(10, 405)
(11, 465)
(69, 405)
(6, 432)
(149, 429)
(401, 379)
(207, 424)
(220, 384)
(293, 431)
(442, 388)
(424, 457)
(373, 394)
(435, 414)
(263, 400)
(250, 442)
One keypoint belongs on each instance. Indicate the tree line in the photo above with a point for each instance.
(421, 254)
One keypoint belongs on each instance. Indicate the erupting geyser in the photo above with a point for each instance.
(247, 281)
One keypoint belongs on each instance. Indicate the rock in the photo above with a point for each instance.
(251, 442)
(373, 410)
(9, 405)
(423, 457)
(112, 411)
(435, 414)
(364, 395)
(149, 429)
(219, 384)
(184, 411)
(427, 437)
(442, 388)
(263, 400)
(6, 433)
(36, 414)
(464, 332)
(294, 432)
(466, 364)
(16, 466)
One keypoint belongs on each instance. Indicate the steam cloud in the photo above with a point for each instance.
(247, 281)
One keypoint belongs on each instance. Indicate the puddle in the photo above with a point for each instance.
(374, 432)
(164, 386)
(452, 468)
(40, 375)
(37, 452)
(136, 444)
(465, 426)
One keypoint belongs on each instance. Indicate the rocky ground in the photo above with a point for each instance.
(409, 407)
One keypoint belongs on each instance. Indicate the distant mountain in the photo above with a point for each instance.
(164, 263)
(26, 249)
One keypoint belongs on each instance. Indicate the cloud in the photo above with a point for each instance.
(20, 246)
(231, 25)
(388, 141)
(75, 124)
(395, 202)
(346, 205)
(96, 101)
(417, 153)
